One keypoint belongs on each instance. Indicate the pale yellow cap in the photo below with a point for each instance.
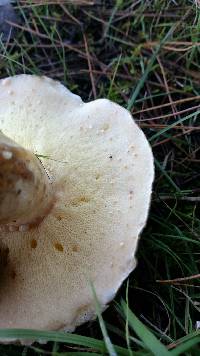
(101, 168)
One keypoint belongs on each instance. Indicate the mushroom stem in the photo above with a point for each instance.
(25, 189)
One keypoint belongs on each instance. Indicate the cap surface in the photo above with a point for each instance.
(101, 167)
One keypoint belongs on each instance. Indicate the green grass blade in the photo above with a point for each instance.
(167, 176)
(55, 336)
(169, 127)
(151, 342)
(28, 334)
(58, 336)
(127, 321)
(108, 343)
(149, 67)
(186, 346)
(68, 353)
(115, 8)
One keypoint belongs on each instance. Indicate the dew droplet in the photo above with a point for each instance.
(23, 228)
(6, 154)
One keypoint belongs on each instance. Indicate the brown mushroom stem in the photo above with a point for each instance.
(25, 189)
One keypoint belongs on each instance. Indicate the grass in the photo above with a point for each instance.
(145, 56)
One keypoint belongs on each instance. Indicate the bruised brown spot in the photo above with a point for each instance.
(75, 248)
(60, 215)
(80, 200)
(83, 311)
(105, 127)
(4, 253)
(58, 246)
(33, 243)
(84, 199)
(13, 274)
(97, 176)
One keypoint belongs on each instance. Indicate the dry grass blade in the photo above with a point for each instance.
(90, 66)
(58, 2)
(177, 280)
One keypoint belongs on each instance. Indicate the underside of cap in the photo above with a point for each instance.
(101, 168)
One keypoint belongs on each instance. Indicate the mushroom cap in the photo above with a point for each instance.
(101, 168)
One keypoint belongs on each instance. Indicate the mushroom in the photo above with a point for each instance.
(75, 188)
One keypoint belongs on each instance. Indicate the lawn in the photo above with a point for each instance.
(143, 55)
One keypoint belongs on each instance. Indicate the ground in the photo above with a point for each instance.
(143, 55)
